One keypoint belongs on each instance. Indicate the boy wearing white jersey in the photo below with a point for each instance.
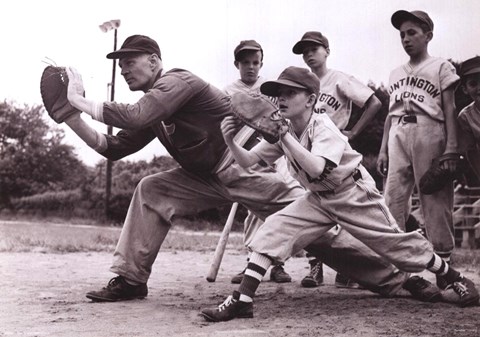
(249, 60)
(339, 190)
(338, 93)
(421, 126)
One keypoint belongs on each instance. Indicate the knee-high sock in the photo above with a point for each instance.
(438, 266)
(256, 269)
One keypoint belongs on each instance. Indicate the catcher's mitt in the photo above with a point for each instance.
(261, 114)
(53, 87)
(437, 177)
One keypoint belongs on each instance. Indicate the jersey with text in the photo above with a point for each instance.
(337, 93)
(322, 138)
(418, 90)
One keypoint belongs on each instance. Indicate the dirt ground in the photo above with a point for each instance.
(44, 295)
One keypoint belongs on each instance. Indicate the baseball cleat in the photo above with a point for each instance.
(422, 289)
(279, 275)
(230, 309)
(441, 282)
(342, 281)
(315, 278)
(461, 292)
(118, 289)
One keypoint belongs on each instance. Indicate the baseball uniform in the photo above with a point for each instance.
(344, 193)
(417, 135)
(338, 91)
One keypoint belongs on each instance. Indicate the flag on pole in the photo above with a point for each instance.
(109, 25)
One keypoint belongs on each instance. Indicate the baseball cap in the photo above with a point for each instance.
(309, 37)
(401, 16)
(470, 66)
(136, 44)
(293, 77)
(247, 45)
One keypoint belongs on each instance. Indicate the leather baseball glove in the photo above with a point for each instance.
(53, 88)
(437, 177)
(261, 114)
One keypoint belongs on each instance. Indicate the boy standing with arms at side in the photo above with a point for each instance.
(249, 60)
(338, 93)
(469, 117)
(339, 190)
(421, 126)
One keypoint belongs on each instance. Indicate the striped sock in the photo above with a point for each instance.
(256, 269)
(440, 267)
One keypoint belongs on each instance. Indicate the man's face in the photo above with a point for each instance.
(414, 40)
(471, 87)
(137, 71)
(315, 55)
(249, 67)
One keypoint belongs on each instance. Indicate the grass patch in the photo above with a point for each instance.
(57, 237)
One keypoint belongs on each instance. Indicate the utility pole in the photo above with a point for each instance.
(105, 27)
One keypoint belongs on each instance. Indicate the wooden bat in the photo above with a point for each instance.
(222, 243)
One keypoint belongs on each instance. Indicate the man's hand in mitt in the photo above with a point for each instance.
(53, 87)
(443, 170)
(261, 114)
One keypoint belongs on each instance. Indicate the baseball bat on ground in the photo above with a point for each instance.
(222, 243)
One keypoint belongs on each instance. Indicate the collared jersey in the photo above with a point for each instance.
(183, 111)
(418, 90)
(337, 93)
(239, 86)
(322, 138)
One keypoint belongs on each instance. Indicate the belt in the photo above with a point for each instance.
(356, 175)
(408, 119)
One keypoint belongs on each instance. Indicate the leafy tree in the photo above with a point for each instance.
(33, 158)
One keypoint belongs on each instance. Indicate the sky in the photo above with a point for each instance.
(200, 36)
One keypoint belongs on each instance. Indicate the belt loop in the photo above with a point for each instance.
(357, 175)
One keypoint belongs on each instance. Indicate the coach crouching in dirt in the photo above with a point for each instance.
(184, 112)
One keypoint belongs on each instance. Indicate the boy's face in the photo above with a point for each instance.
(315, 55)
(249, 66)
(471, 87)
(137, 71)
(294, 103)
(414, 40)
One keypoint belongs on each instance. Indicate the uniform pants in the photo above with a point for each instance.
(161, 197)
(411, 148)
(359, 208)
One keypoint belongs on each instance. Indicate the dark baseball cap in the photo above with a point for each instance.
(401, 16)
(470, 66)
(136, 44)
(247, 45)
(293, 77)
(309, 38)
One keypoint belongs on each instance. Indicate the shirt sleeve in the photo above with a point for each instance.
(167, 96)
(448, 75)
(355, 90)
(126, 142)
(328, 144)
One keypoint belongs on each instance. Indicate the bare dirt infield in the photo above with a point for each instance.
(44, 295)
